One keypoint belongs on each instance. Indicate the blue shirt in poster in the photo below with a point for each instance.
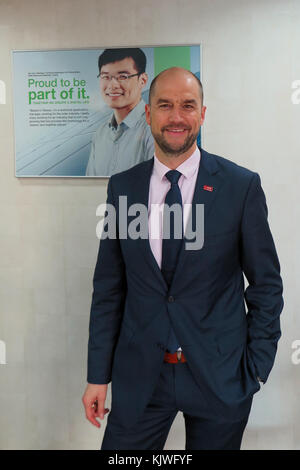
(116, 148)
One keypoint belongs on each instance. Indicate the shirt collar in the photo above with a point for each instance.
(132, 117)
(187, 168)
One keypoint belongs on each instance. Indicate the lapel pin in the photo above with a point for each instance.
(208, 188)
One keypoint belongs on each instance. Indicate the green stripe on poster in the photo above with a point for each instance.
(175, 56)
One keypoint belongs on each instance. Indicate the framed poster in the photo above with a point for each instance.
(81, 112)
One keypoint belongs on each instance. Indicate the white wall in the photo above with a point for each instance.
(48, 244)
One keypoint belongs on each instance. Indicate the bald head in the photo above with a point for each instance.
(175, 113)
(171, 74)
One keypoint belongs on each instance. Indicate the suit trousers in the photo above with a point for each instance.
(176, 390)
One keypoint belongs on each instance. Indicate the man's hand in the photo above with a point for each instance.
(94, 401)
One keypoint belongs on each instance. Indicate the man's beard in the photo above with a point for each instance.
(168, 149)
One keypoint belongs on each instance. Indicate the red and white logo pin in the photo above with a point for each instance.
(208, 188)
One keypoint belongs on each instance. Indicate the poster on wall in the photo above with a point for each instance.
(81, 112)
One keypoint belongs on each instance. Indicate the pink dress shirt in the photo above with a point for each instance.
(159, 186)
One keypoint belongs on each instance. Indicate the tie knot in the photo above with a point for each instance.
(173, 176)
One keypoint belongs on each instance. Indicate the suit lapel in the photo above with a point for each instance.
(142, 195)
(207, 186)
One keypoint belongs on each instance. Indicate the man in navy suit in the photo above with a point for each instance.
(168, 324)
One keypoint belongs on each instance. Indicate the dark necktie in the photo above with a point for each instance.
(171, 245)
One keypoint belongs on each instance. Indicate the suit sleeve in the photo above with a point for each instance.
(263, 295)
(109, 291)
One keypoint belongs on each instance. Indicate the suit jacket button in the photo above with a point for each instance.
(171, 298)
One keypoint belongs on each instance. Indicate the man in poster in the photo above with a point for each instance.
(168, 325)
(124, 138)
